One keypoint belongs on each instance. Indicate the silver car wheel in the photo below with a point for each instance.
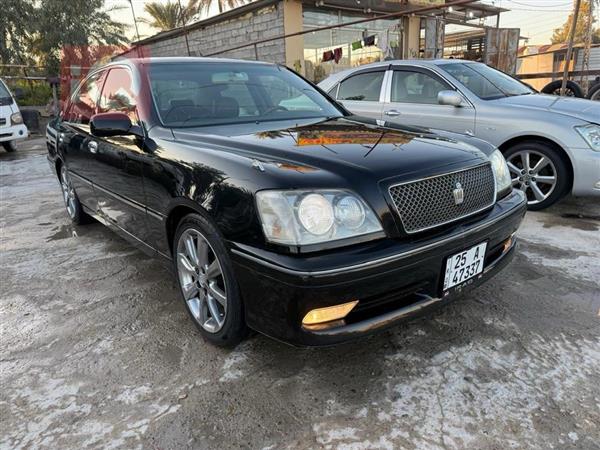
(201, 280)
(533, 173)
(68, 192)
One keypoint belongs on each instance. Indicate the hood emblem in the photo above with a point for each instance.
(459, 194)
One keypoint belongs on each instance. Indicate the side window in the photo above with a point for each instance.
(364, 87)
(416, 87)
(83, 104)
(117, 94)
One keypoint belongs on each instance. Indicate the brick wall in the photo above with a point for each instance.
(259, 24)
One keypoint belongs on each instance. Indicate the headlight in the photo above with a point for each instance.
(313, 217)
(16, 118)
(501, 172)
(590, 134)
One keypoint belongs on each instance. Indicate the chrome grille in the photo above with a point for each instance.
(2, 121)
(430, 202)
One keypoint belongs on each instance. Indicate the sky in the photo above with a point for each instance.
(536, 18)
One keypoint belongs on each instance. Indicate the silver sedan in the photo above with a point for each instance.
(552, 144)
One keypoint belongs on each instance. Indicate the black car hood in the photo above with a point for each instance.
(362, 144)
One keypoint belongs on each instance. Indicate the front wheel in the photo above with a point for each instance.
(539, 170)
(10, 146)
(208, 286)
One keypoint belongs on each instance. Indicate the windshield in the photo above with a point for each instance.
(3, 90)
(485, 82)
(215, 93)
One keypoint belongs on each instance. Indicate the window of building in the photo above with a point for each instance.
(365, 87)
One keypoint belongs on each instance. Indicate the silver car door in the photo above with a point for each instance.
(412, 99)
(362, 93)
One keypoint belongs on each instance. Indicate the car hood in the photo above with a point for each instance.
(575, 107)
(354, 143)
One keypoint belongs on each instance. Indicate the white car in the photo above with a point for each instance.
(551, 144)
(12, 127)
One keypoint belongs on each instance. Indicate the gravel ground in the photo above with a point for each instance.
(97, 350)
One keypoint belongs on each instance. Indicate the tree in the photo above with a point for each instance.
(166, 16)
(561, 35)
(15, 34)
(223, 5)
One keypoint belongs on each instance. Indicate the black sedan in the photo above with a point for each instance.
(278, 209)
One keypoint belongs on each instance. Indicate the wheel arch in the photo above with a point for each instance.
(561, 151)
(181, 208)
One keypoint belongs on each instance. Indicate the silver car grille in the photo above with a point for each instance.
(435, 201)
(2, 121)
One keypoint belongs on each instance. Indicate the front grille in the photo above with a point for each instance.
(430, 202)
(2, 121)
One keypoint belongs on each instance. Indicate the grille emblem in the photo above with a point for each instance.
(459, 194)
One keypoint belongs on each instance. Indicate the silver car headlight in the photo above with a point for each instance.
(304, 217)
(501, 172)
(590, 134)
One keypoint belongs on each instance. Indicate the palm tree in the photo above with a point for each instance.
(166, 16)
(222, 4)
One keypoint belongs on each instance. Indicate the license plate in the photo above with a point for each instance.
(464, 265)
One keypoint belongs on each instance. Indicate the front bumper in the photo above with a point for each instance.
(392, 280)
(13, 133)
(586, 172)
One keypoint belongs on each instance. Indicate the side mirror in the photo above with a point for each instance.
(451, 98)
(18, 94)
(112, 124)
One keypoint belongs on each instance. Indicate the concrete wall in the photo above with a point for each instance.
(259, 24)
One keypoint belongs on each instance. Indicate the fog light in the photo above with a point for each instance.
(328, 313)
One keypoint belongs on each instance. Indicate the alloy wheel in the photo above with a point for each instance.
(68, 192)
(201, 280)
(533, 173)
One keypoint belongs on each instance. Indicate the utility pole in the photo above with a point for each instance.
(585, 63)
(563, 88)
(137, 33)
(185, 34)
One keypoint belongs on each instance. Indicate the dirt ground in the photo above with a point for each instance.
(97, 350)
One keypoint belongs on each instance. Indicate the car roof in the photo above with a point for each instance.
(178, 59)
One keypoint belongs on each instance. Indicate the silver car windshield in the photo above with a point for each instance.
(223, 93)
(485, 82)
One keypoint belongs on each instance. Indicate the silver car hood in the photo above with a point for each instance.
(575, 107)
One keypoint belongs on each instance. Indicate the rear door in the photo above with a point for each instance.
(116, 166)
(362, 93)
(412, 99)
(75, 139)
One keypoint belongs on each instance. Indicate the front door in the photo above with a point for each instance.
(413, 100)
(75, 140)
(116, 165)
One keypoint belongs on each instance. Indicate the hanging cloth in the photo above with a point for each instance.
(337, 54)
(357, 45)
(384, 44)
(327, 56)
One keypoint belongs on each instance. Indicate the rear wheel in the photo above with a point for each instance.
(208, 286)
(10, 146)
(72, 204)
(538, 169)
(572, 89)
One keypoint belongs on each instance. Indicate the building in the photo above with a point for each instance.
(326, 36)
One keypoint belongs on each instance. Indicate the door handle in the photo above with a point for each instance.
(93, 146)
(392, 113)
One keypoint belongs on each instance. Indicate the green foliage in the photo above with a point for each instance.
(38, 30)
(561, 35)
(35, 93)
(166, 16)
(223, 5)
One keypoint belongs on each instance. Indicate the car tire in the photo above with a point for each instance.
(573, 89)
(594, 93)
(208, 287)
(538, 169)
(74, 209)
(10, 146)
